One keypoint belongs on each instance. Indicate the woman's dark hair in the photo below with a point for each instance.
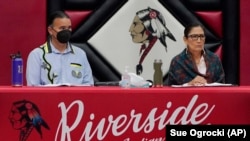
(56, 14)
(190, 27)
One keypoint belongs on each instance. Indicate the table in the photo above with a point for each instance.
(114, 113)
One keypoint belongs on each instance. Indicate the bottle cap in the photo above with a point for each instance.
(13, 56)
(126, 69)
(18, 55)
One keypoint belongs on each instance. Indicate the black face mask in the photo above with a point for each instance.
(63, 36)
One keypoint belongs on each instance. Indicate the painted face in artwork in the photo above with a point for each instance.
(23, 116)
(16, 118)
(147, 27)
(138, 31)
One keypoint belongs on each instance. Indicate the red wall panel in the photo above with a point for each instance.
(22, 29)
(244, 42)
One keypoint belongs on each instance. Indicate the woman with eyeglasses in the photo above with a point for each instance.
(195, 65)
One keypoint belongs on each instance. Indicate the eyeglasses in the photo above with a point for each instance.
(195, 37)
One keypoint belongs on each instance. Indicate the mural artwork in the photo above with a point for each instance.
(25, 116)
(148, 26)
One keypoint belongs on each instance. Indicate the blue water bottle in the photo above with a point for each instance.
(17, 70)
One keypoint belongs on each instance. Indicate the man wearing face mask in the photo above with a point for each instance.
(57, 61)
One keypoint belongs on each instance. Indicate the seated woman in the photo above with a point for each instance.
(195, 65)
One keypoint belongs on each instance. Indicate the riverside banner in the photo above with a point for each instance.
(113, 113)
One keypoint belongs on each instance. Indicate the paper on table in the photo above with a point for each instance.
(218, 84)
(64, 85)
(206, 85)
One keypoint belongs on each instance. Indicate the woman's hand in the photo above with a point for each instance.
(198, 81)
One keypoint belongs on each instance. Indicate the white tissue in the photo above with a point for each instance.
(136, 81)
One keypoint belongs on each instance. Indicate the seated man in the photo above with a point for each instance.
(58, 61)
